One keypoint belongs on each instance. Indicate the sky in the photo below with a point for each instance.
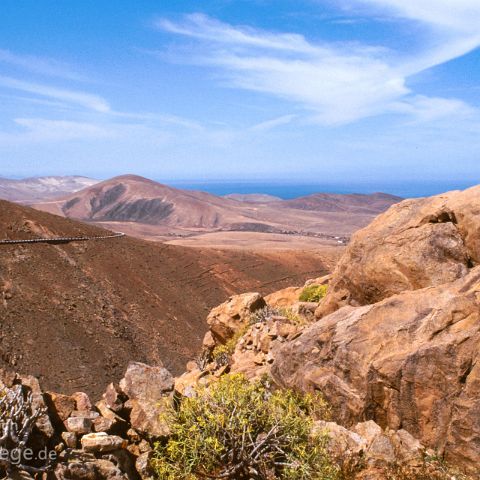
(326, 91)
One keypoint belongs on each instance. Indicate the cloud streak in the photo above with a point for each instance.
(85, 100)
(40, 65)
(338, 83)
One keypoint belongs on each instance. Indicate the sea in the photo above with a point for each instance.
(287, 191)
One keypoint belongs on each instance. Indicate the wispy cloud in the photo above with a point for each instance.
(40, 65)
(460, 15)
(273, 123)
(337, 83)
(86, 100)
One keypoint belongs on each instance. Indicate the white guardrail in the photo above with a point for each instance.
(60, 239)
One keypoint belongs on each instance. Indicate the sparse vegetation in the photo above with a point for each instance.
(268, 312)
(236, 429)
(313, 293)
(264, 314)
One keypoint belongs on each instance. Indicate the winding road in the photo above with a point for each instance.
(56, 240)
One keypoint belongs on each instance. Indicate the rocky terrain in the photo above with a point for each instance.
(75, 314)
(396, 340)
(397, 363)
(30, 190)
(153, 211)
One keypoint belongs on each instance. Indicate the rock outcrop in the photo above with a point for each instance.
(415, 244)
(408, 362)
(227, 318)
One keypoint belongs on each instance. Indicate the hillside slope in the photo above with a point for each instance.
(104, 303)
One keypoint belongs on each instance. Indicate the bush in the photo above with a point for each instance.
(313, 293)
(236, 429)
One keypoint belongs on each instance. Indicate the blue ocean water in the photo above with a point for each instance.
(294, 190)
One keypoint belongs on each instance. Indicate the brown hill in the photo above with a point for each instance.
(130, 198)
(372, 204)
(75, 314)
(148, 209)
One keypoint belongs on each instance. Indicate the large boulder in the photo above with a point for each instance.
(226, 319)
(408, 362)
(415, 244)
(149, 390)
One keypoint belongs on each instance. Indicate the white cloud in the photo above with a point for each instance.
(273, 123)
(86, 100)
(205, 28)
(337, 83)
(40, 130)
(461, 15)
(31, 131)
(43, 66)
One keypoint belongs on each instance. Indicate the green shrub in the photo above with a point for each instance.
(313, 293)
(236, 429)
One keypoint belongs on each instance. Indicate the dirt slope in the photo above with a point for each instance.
(75, 314)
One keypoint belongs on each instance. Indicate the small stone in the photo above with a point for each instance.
(144, 446)
(102, 424)
(208, 341)
(85, 414)
(83, 401)
(143, 465)
(101, 442)
(70, 439)
(133, 435)
(60, 406)
(146, 383)
(78, 425)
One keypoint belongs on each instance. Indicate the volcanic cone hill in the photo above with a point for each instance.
(147, 209)
(75, 314)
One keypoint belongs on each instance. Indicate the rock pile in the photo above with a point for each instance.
(111, 439)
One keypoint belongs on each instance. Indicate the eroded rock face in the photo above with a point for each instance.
(415, 244)
(228, 317)
(409, 362)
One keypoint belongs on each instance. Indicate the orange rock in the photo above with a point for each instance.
(415, 244)
(411, 361)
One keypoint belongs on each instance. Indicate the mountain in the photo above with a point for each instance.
(103, 303)
(36, 189)
(373, 204)
(147, 209)
(130, 198)
(253, 197)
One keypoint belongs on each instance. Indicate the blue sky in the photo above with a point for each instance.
(323, 91)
